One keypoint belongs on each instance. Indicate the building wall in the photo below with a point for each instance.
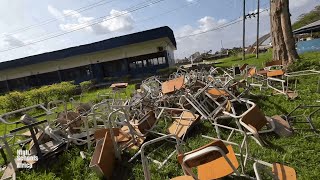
(132, 50)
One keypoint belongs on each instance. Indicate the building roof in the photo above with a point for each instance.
(312, 27)
(111, 43)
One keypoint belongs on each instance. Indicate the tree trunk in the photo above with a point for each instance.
(278, 43)
(287, 32)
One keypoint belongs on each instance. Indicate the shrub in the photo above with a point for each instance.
(86, 85)
(15, 100)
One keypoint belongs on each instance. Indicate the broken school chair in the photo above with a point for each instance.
(183, 121)
(275, 170)
(256, 78)
(136, 129)
(144, 157)
(106, 154)
(253, 121)
(273, 65)
(302, 114)
(213, 161)
(218, 159)
(170, 86)
(41, 145)
(238, 70)
(274, 78)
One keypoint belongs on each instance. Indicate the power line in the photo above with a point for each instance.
(89, 25)
(162, 14)
(95, 20)
(45, 22)
(216, 28)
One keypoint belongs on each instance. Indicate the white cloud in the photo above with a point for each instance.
(227, 37)
(116, 21)
(298, 3)
(55, 12)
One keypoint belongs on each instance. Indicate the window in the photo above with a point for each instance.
(161, 60)
(132, 65)
(138, 64)
(145, 63)
(155, 61)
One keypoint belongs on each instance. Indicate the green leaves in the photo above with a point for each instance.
(17, 100)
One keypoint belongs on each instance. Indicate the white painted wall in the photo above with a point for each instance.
(138, 49)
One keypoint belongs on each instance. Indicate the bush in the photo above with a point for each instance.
(15, 100)
(300, 65)
(86, 86)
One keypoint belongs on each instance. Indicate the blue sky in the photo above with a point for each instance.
(183, 16)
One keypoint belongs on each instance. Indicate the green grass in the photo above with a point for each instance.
(301, 151)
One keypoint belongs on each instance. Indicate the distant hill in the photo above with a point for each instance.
(307, 18)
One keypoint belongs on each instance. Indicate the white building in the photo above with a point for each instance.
(133, 54)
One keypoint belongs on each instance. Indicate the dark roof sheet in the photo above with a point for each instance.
(314, 27)
(93, 47)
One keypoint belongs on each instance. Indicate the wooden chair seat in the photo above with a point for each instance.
(275, 73)
(172, 85)
(119, 85)
(284, 172)
(255, 118)
(121, 135)
(218, 168)
(274, 63)
(180, 127)
(282, 127)
(263, 72)
(251, 72)
(103, 159)
(217, 92)
(139, 139)
(183, 178)
(292, 94)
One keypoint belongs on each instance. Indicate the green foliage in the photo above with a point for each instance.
(308, 18)
(86, 86)
(308, 61)
(17, 100)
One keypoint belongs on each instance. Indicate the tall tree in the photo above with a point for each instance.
(281, 32)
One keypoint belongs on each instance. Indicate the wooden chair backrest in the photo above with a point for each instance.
(284, 172)
(172, 85)
(275, 73)
(218, 92)
(252, 71)
(243, 67)
(147, 122)
(274, 63)
(206, 157)
(255, 118)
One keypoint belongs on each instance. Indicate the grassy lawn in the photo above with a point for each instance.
(301, 151)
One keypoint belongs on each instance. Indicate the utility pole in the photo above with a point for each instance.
(258, 26)
(244, 31)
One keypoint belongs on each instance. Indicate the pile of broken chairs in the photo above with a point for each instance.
(162, 110)
(275, 77)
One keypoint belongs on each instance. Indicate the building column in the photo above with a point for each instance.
(7, 84)
(59, 75)
(92, 74)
